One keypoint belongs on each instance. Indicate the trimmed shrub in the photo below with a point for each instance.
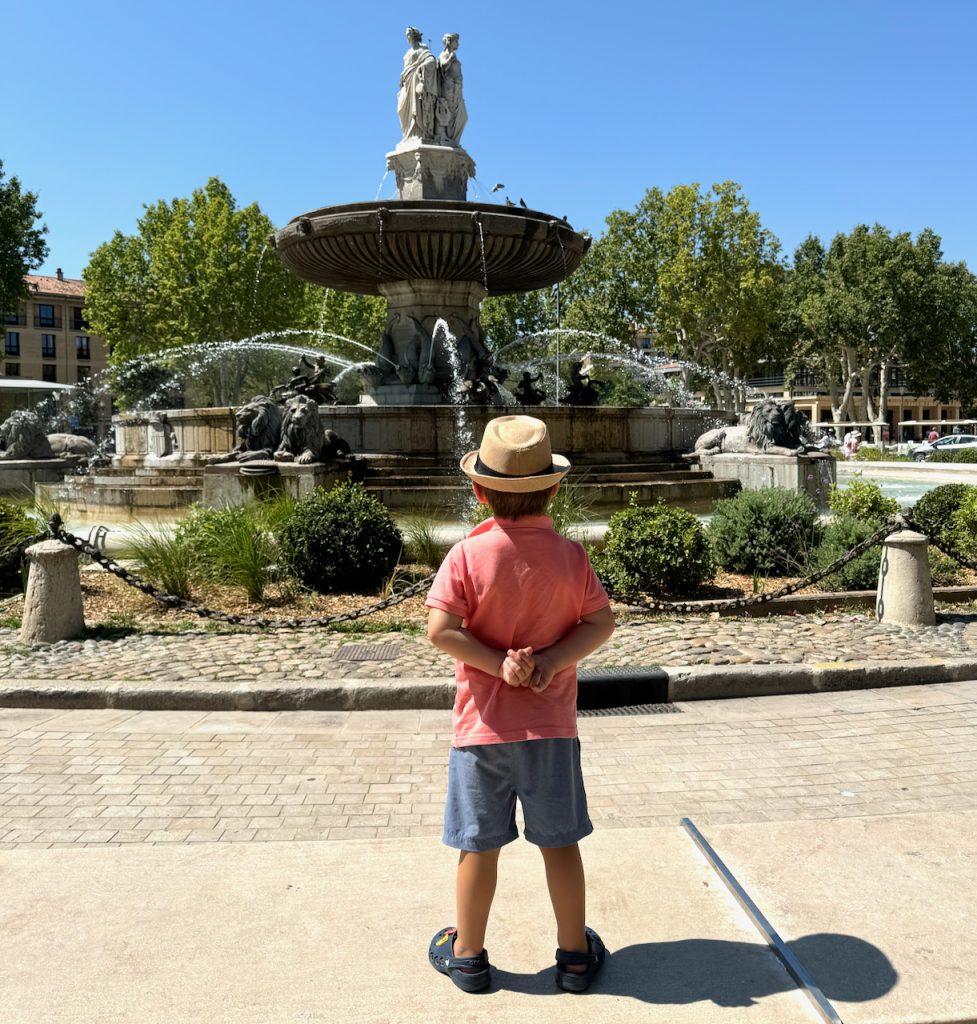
(964, 530)
(862, 500)
(769, 531)
(862, 572)
(868, 453)
(651, 549)
(945, 571)
(949, 455)
(340, 540)
(933, 513)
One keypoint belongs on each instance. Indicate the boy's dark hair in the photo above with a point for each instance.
(508, 505)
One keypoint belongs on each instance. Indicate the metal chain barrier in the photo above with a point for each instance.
(58, 532)
(729, 604)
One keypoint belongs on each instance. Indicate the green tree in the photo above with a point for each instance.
(505, 317)
(22, 245)
(696, 268)
(871, 301)
(361, 318)
(196, 272)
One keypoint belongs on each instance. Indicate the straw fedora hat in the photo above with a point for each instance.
(515, 456)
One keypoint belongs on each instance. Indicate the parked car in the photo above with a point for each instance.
(952, 442)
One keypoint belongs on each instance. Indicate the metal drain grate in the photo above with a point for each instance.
(368, 652)
(631, 709)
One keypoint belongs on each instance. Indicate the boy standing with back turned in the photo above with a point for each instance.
(517, 606)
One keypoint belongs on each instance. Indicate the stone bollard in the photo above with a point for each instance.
(52, 607)
(905, 593)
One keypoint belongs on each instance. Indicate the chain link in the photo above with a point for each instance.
(58, 532)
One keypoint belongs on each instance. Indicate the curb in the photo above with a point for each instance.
(598, 688)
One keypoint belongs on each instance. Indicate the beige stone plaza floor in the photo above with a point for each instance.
(248, 867)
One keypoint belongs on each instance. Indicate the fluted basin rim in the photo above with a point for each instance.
(342, 246)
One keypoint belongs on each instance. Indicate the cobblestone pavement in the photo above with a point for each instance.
(668, 641)
(97, 777)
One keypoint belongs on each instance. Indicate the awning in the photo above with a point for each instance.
(936, 423)
(27, 384)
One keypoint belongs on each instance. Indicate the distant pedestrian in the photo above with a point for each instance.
(933, 435)
(853, 441)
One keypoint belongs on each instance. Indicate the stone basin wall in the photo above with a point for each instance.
(187, 437)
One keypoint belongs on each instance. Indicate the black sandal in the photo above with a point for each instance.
(572, 981)
(469, 973)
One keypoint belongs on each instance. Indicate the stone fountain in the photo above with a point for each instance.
(430, 253)
(434, 257)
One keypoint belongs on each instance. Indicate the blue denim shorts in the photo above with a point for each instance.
(484, 781)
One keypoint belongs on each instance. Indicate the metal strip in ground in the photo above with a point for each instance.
(794, 967)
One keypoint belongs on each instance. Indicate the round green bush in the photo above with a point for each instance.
(963, 455)
(944, 571)
(340, 540)
(653, 549)
(964, 529)
(862, 500)
(862, 572)
(771, 531)
(933, 513)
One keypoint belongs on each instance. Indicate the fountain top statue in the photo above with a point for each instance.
(430, 103)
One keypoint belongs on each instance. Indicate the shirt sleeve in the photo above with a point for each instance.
(447, 593)
(595, 597)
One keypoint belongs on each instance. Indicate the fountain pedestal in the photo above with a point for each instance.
(427, 171)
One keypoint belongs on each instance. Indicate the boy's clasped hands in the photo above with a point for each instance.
(522, 668)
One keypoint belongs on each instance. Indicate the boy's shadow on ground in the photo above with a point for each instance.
(727, 973)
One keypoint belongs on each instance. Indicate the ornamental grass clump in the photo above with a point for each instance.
(342, 540)
(234, 546)
(770, 531)
(653, 549)
(166, 559)
(16, 527)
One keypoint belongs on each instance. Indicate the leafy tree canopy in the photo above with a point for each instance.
(695, 267)
(196, 271)
(22, 245)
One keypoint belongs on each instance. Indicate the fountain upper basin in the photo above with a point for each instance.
(344, 247)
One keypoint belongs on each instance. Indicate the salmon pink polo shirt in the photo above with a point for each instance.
(515, 583)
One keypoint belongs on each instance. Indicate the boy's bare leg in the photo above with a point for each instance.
(474, 892)
(565, 880)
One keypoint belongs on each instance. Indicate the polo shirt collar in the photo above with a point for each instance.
(522, 523)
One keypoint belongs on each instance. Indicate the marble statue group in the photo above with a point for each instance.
(430, 101)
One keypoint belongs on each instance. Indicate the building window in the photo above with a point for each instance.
(47, 346)
(84, 372)
(46, 316)
(78, 321)
(15, 318)
(49, 372)
(11, 344)
(83, 346)
(11, 369)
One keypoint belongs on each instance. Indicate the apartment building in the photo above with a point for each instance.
(48, 338)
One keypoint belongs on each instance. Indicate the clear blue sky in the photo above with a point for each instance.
(828, 113)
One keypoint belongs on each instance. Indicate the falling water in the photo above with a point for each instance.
(380, 186)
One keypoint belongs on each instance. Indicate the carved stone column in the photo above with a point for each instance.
(427, 171)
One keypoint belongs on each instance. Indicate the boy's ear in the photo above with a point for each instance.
(479, 493)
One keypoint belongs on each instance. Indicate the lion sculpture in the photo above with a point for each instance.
(303, 437)
(259, 427)
(772, 428)
(22, 436)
